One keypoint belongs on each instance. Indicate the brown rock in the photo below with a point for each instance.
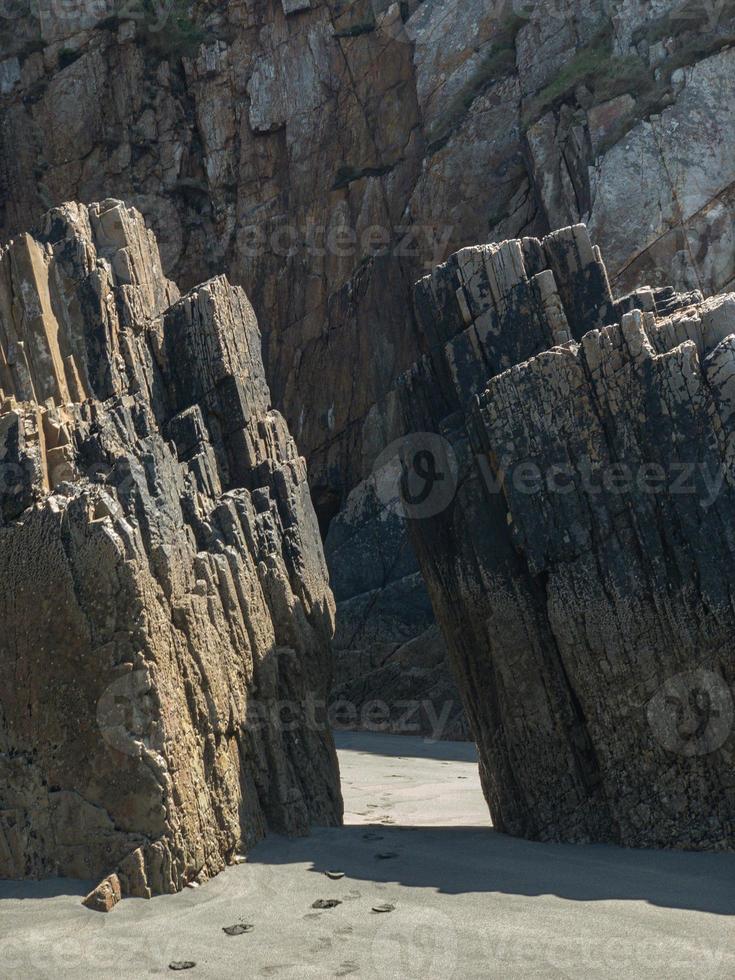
(166, 592)
(105, 896)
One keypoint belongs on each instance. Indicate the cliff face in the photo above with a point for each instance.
(583, 571)
(327, 154)
(165, 610)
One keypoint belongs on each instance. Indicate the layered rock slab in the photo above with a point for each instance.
(165, 609)
(583, 573)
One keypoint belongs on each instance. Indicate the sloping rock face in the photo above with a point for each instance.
(583, 573)
(325, 155)
(165, 609)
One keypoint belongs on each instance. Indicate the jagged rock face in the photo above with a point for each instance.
(327, 154)
(165, 596)
(251, 136)
(583, 572)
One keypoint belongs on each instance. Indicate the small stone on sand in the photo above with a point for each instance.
(239, 929)
(326, 903)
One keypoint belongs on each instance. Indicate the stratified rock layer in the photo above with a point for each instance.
(326, 154)
(584, 572)
(165, 614)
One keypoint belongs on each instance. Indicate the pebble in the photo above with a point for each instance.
(325, 903)
(239, 929)
(182, 965)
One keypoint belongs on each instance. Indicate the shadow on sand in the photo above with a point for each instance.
(455, 860)
(47, 888)
(404, 746)
(460, 860)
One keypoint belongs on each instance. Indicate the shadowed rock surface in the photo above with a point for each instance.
(584, 573)
(164, 588)
(391, 670)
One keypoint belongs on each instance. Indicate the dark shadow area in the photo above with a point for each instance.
(404, 746)
(46, 888)
(456, 860)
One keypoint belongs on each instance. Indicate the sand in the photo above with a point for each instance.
(469, 902)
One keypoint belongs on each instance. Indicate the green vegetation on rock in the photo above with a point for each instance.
(169, 27)
(497, 62)
(595, 66)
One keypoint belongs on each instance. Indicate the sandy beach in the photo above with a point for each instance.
(468, 902)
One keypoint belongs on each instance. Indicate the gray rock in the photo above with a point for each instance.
(583, 573)
(664, 185)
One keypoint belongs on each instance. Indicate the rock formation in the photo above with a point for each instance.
(584, 572)
(326, 154)
(391, 670)
(165, 614)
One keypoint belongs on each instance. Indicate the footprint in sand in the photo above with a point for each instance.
(326, 903)
(322, 945)
(346, 968)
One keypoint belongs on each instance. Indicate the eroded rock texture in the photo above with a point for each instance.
(326, 154)
(584, 573)
(164, 607)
